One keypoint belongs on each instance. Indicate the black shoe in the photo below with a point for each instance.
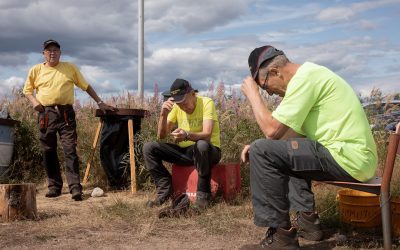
(278, 238)
(53, 193)
(76, 194)
(202, 201)
(308, 226)
(179, 208)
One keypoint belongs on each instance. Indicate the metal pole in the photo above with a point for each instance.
(140, 48)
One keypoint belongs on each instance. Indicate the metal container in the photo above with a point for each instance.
(7, 134)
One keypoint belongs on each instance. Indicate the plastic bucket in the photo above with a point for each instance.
(396, 216)
(359, 209)
(7, 133)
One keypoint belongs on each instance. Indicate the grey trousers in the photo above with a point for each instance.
(202, 154)
(280, 177)
(59, 120)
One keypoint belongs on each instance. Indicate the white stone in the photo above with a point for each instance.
(97, 192)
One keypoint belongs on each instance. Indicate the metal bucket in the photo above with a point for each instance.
(7, 134)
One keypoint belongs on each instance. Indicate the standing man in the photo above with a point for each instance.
(338, 143)
(195, 129)
(54, 83)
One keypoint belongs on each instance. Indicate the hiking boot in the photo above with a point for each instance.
(308, 226)
(53, 193)
(76, 194)
(202, 201)
(279, 238)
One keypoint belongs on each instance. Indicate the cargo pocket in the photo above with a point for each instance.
(303, 155)
(69, 117)
(43, 121)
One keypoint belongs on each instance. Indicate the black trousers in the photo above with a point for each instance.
(59, 120)
(202, 154)
(280, 177)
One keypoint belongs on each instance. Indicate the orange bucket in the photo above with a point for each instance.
(396, 216)
(359, 209)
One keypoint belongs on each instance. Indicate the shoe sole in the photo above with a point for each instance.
(314, 236)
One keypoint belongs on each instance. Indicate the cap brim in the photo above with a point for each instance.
(179, 98)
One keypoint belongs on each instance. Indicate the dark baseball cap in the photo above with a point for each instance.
(51, 41)
(260, 55)
(178, 90)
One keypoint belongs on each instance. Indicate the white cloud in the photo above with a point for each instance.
(7, 85)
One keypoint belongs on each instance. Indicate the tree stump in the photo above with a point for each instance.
(17, 202)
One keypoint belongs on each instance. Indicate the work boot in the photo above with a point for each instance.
(279, 238)
(308, 226)
(202, 201)
(53, 193)
(76, 194)
(157, 202)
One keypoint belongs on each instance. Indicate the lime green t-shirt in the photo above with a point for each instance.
(205, 110)
(54, 85)
(322, 106)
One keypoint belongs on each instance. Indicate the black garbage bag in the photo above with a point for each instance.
(114, 149)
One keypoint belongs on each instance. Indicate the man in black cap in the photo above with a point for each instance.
(192, 123)
(54, 81)
(319, 131)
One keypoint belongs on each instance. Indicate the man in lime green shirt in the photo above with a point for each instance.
(192, 122)
(50, 89)
(319, 131)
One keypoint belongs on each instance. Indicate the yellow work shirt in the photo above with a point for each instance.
(205, 110)
(54, 85)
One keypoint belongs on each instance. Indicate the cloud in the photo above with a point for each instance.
(7, 85)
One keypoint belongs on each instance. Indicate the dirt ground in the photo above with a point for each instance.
(119, 220)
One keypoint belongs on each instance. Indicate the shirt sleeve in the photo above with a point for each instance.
(79, 79)
(172, 116)
(29, 86)
(209, 112)
(296, 105)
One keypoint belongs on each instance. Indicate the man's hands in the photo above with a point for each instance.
(167, 106)
(249, 87)
(105, 107)
(179, 135)
(244, 156)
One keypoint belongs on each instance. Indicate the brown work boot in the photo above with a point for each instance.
(280, 239)
(308, 226)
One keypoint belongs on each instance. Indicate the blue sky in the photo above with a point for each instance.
(202, 41)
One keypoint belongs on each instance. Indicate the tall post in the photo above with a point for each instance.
(140, 48)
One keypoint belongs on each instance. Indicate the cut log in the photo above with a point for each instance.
(17, 202)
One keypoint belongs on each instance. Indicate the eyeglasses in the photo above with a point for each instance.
(265, 83)
(55, 51)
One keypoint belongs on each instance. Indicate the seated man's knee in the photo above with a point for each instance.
(202, 145)
(149, 147)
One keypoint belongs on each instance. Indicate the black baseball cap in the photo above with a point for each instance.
(178, 90)
(260, 55)
(51, 41)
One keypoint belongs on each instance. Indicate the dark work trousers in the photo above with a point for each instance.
(59, 120)
(202, 154)
(280, 177)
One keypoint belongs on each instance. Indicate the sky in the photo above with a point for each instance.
(205, 42)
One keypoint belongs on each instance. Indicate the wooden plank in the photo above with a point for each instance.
(94, 145)
(132, 155)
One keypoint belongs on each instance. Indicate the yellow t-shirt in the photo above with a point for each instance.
(54, 85)
(205, 110)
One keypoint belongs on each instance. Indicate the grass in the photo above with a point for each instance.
(238, 128)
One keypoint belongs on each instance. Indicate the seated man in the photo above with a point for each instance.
(197, 138)
(339, 145)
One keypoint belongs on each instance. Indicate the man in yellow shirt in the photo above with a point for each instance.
(192, 122)
(54, 83)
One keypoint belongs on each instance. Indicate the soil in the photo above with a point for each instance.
(119, 220)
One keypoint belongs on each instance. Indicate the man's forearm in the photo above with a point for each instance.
(92, 93)
(162, 127)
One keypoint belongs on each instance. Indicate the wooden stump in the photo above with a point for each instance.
(17, 201)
